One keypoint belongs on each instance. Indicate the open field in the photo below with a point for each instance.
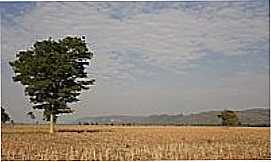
(26, 142)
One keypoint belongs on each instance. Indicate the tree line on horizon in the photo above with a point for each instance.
(228, 118)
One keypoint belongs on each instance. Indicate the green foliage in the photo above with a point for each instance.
(53, 73)
(229, 118)
(31, 115)
(4, 116)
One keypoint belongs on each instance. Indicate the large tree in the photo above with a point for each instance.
(4, 115)
(229, 118)
(54, 74)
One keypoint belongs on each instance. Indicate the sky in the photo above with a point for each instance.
(149, 57)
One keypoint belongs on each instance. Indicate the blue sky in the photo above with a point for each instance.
(150, 57)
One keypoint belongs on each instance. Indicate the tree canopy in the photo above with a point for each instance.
(53, 73)
(229, 118)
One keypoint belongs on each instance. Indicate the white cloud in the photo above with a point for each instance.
(171, 39)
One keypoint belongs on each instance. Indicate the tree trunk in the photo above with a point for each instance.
(52, 123)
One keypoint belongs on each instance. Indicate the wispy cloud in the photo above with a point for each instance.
(171, 38)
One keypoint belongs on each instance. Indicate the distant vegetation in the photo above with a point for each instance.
(252, 117)
(4, 115)
(229, 118)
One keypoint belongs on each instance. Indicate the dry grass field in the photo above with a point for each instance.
(26, 142)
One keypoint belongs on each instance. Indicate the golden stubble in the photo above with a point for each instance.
(26, 142)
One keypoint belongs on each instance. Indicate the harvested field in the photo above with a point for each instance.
(27, 142)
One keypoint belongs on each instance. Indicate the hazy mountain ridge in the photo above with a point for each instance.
(255, 116)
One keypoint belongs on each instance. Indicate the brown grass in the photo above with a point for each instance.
(24, 142)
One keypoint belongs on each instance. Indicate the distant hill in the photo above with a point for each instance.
(253, 117)
(257, 116)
